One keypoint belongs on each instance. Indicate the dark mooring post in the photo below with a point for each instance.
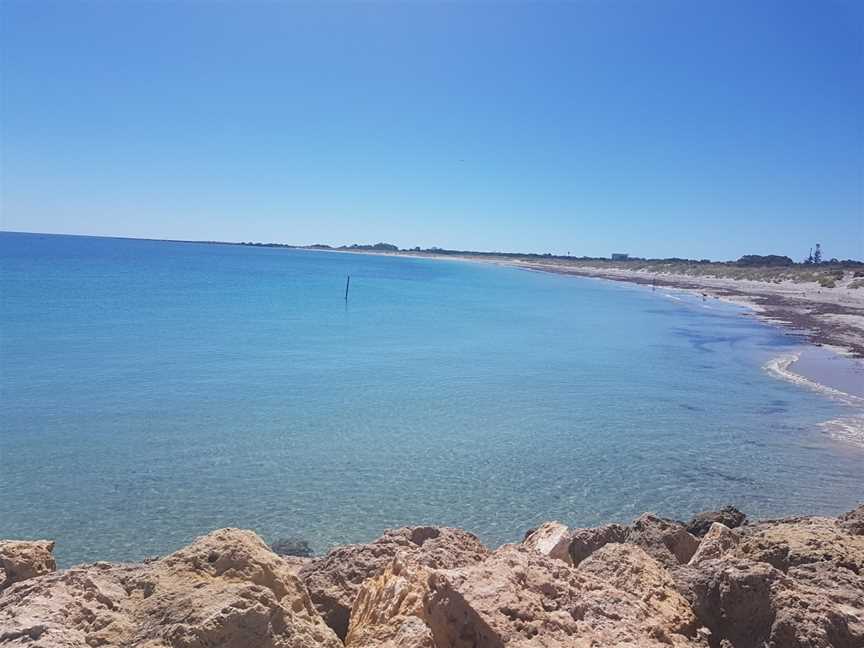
(347, 283)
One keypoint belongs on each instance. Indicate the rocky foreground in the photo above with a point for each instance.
(716, 581)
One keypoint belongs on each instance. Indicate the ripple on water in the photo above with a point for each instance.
(154, 391)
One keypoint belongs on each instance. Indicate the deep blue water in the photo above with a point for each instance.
(152, 391)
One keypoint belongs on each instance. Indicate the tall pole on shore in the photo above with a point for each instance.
(347, 283)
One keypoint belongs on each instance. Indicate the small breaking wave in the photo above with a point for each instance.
(779, 367)
(849, 429)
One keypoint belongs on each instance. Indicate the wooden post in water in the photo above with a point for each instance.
(347, 283)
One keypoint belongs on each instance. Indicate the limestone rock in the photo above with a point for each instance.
(823, 608)
(584, 542)
(412, 632)
(733, 598)
(753, 605)
(65, 609)
(853, 521)
(551, 539)
(800, 541)
(790, 583)
(630, 569)
(335, 579)
(296, 563)
(729, 516)
(666, 540)
(719, 540)
(389, 609)
(226, 589)
(519, 598)
(23, 559)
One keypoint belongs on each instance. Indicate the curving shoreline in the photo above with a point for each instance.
(830, 317)
(825, 317)
(848, 429)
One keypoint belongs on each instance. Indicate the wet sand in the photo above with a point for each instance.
(828, 368)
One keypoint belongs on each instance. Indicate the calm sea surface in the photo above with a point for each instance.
(152, 391)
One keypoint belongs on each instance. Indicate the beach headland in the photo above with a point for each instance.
(716, 581)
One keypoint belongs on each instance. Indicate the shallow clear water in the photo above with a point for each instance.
(152, 391)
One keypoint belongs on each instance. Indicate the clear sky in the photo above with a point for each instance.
(659, 128)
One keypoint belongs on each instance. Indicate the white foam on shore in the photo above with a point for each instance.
(779, 367)
(849, 429)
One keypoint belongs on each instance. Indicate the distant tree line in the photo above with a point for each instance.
(764, 260)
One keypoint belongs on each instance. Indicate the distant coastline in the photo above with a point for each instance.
(823, 303)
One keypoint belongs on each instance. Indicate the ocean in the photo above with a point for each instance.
(152, 391)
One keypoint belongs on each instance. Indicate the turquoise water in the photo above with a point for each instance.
(152, 391)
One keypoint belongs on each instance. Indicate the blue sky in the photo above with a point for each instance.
(667, 128)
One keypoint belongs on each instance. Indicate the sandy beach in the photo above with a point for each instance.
(832, 318)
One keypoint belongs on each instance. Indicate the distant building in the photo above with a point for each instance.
(620, 256)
